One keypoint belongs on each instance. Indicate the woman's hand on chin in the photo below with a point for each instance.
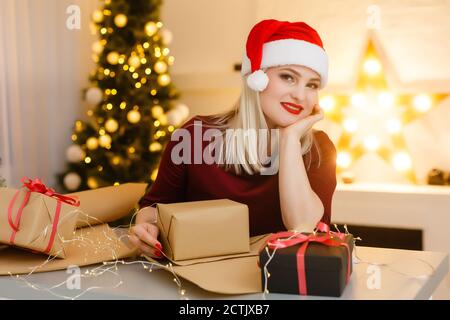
(300, 127)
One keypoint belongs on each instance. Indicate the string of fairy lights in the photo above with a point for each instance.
(373, 117)
(81, 240)
(111, 267)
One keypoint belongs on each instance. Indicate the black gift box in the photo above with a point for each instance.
(326, 268)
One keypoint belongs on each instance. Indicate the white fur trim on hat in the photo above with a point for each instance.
(292, 51)
(258, 80)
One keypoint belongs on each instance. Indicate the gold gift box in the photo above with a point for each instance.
(199, 229)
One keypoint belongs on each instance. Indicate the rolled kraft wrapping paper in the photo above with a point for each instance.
(107, 204)
(230, 274)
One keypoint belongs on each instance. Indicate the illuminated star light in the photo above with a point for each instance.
(373, 117)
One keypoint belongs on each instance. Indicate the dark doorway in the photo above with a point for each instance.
(382, 237)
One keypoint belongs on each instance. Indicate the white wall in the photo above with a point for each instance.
(51, 64)
(209, 38)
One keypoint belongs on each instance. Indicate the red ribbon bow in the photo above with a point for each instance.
(38, 186)
(288, 239)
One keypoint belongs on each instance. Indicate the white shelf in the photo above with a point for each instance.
(395, 188)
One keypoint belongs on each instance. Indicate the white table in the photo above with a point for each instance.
(138, 283)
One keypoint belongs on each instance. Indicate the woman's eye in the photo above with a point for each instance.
(287, 77)
(313, 86)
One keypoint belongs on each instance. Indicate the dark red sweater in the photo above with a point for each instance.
(193, 182)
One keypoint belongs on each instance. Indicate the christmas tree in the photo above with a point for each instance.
(133, 111)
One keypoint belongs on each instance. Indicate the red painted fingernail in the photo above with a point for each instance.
(158, 254)
(158, 246)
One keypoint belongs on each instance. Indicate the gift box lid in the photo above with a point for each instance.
(317, 256)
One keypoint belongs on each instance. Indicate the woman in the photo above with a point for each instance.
(288, 187)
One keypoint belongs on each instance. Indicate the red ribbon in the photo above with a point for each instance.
(38, 186)
(287, 239)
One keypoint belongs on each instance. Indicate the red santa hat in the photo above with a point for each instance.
(273, 43)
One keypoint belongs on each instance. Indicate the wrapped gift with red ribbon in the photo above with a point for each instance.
(318, 263)
(37, 218)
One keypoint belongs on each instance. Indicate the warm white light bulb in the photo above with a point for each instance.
(104, 140)
(386, 100)
(372, 66)
(151, 28)
(163, 79)
(358, 100)
(120, 20)
(97, 16)
(422, 103)
(111, 125)
(371, 143)
(327, 103)
(393, 125)
(401, 161)
(350, 125)
(343, 159)
(134, 116)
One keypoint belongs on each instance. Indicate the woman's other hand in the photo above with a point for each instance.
(144, 234)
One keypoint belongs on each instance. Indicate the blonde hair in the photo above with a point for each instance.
(242, 151)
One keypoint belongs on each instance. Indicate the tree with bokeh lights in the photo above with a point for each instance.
(133, 108)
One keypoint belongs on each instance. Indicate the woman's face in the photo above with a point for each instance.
(291, 95)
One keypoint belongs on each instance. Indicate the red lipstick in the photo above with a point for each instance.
(292, 107)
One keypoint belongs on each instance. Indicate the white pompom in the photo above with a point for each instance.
(74, 153)
(258, 80)
(94, 95)
(183, 109)
(174, 118)
(72, 181)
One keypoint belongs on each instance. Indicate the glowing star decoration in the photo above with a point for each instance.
(367, 121)
(373, 117)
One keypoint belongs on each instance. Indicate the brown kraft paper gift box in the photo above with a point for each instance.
(199, 229)
(94, 243)
(43, 224)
